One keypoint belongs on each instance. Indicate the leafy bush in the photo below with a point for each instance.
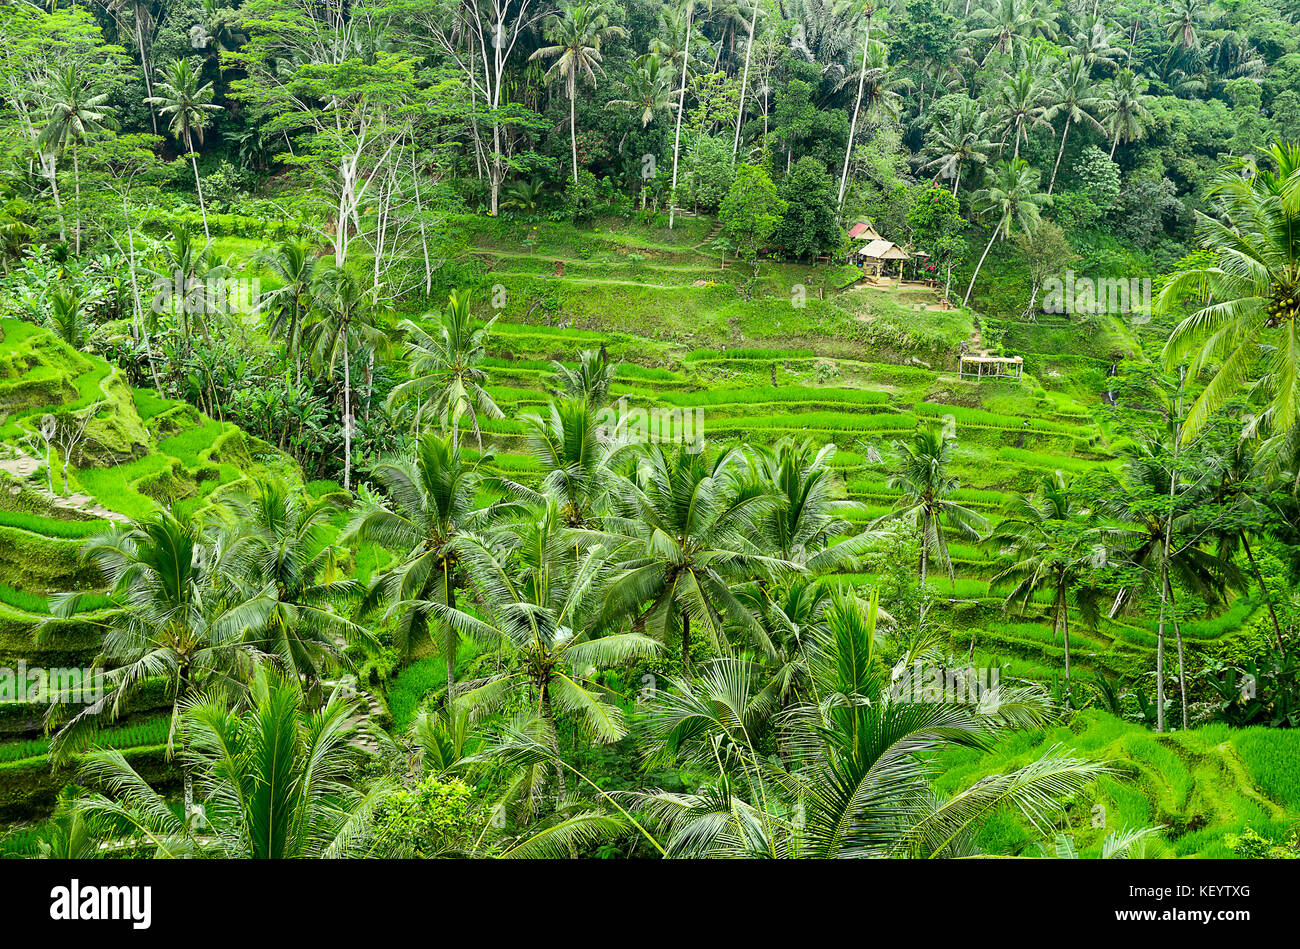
(431, 819)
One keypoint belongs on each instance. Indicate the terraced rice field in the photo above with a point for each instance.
(155, 451)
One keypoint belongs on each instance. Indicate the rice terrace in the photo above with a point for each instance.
(557, 429)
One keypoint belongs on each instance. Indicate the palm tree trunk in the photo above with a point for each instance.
(573, 127)
(198, 188)
(76, 191)
(1182, 668)
(1113, 143)
(1160, 656)
(1061, 151)
(347, 413)
(50, 166)
(744, 80)
(135, 293)
(451, 641)
(1263, 587)
(857, 106)
(1065, 618)
(686, 642)
(187, 777)
(1166, 591)
(681, 107)
(144, 68)
(976, 274)
(549, 714)
(956, 180)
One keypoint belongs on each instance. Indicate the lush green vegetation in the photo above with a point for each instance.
(501, 436)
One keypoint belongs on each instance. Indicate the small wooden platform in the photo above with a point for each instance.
(991, 367)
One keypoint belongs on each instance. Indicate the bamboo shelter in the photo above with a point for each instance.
(991, 367)
(878, 252)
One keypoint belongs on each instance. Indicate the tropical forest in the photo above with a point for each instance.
(665, 429)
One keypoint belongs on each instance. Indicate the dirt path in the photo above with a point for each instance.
(24, 466)
(717, 229)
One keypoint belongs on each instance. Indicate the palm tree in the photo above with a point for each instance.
(575, 453)
(294, 265)
(1072, 95)
(855, 782)
(1181, 22)
(1096, 42)
(1160, 523)
(541, 593)
(802, 530)
(76, 113)
(277, 547)
(648, 89)
(346, 313)
(526, 194)
(576, 35)
(810, 516)
(184, 267)
(68, 316)
(173, 616)
(1125, 104)
(190, 106)
(926, 501)
(692, 531)
(1247, 298)
(278, 781)
(1011, 24)
(1016, 199)
(1020, 102)
(590, 381)
(447, 374)
(1233, 487)
(1052, 541)
(962, 138)
(430, 500)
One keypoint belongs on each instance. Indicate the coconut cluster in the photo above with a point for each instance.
(1284, 306)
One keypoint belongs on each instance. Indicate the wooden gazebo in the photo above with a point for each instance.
(876, 253)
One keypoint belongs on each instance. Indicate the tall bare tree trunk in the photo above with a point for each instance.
(144, 68)
(857, 107)
(198, 187)
(1065, 619)
(1160, 663)
(686, 642)
(681, 106)
(744, 79)
(1263, 588)
(1061, 151)
(76, 190)
(347, 413)
(975, 275)
(1182, 668)
(450, 642)
(573, 127)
